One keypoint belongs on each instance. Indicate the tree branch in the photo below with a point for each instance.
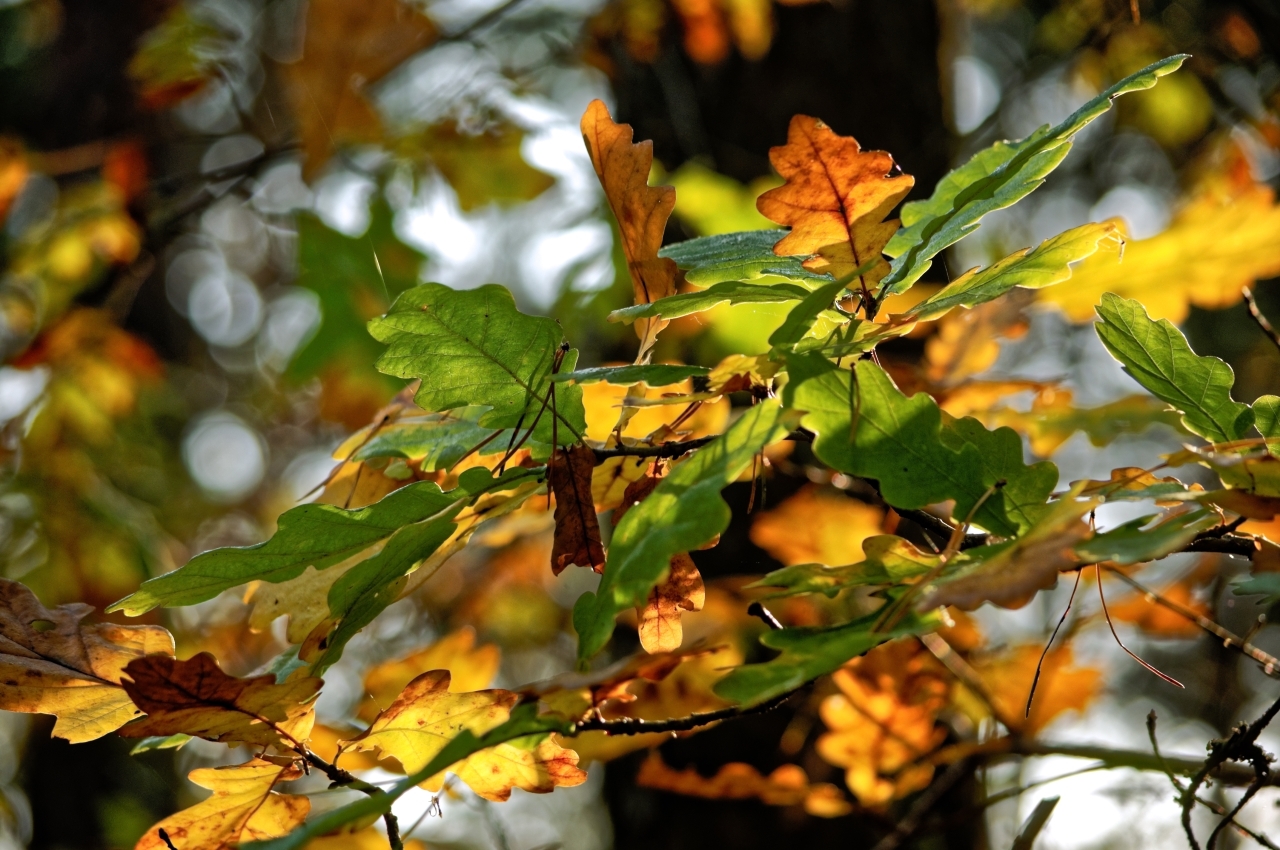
(345, 779)
(637, 726)
(1260, 319)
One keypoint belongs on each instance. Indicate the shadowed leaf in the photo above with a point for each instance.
(577, 537)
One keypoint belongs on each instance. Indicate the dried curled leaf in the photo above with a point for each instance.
(577, 540)
(243, 808)
(641, 210)
(195, 697)
(681, 591)
(787, 785)
(835, 200)
(426, 717)
(52, 663)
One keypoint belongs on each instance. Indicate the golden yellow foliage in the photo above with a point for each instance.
(787, 785)
(1062, 686)
(817, 525)
(470, 667)
(659, 620)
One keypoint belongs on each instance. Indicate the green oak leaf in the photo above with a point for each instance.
(473, 347)
(1136, 540)
(729, 292)
(684, 512)
(439, 440)
(310, 536)
(624, 376)
(995, 178)
(1266, 418)
(747, 255)
(807, 653)
(877, 432)
(1046, 265)
(1156, 355)
(1266, 585)
(888, 560)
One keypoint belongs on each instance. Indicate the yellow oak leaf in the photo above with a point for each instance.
(1219, 243)
(1062, 686)
(835, 199)
(787, 785)
(53, 663)
(426, 716)
(470, 668)
(641, 210)
(195, 697)
(659, 619)
(817, 525)
(243, 808)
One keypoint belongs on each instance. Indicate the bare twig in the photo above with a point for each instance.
(926, 801)
(1260, 319)
(637, 726)
(755, 609)
(1098, 575)
(1040, 664)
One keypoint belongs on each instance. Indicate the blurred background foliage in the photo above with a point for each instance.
(203, 201)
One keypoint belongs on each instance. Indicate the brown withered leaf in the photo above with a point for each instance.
(574, 695)
(243, 808)
(577, 539)
(1012, 575)
(195, 697)
(638, 490)
(659, 619)
(787, 785)
(53, 663)
(348, 47)
(641, 210)
(427, 716)
(470, 667)
(835, 200)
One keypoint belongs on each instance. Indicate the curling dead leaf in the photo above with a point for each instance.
(577, 539)
(787, 785)
(659, 620)
(885, 720)
(196, 698)
(1219, 243)
(641, 210)
(348, 47)
(1010, 574)
(243, 808)
(53, 663)
(1062, 686)
(426, 716)
(817, 525)
(1157, 620)
(471, 668)
(835, 200)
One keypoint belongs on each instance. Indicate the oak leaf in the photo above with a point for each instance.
(659, 619)
(835, 200)
(1062, 686)
(196, 698)
(470, 667)
(787, 785)
(243, 808)
(641, 210)
(426, 717)
(817, 525)
(577, 538)
(52, 663)
(348, 47)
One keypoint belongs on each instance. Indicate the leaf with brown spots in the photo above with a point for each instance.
(788, 785)
(427, 716)
(835, 200)
(196, 698)
(243, 808)
(577, 539)
(641, 210)
(659, 625)
(52, 663)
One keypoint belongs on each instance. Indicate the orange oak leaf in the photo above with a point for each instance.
(835, 199)
(817, 525)
(788, 785)
(659, 619)
(1062, 686)
(195, 697)
(243, 808)
(427, 716)
(1156, 619)
(471, 668)
(52, 663)
(641, 210)
(577, 538)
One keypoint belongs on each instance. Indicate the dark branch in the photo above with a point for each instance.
(345, 779)
(677, 448)
(636, 726)
(940, 528)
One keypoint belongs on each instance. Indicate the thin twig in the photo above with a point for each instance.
(1260, 319)
(345, 779)
(1040, 664)
(1098, 571)
(926, 801)
(755, 609)
(637, 726)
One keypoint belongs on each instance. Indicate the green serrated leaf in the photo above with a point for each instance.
(473, 347)
(625, 376)
(888, 560)
(1157, 355)
(1266, 418)
(879, 433)
(729, 292)
(438, 441)
(1136, 541)
(684, 512)
(309, 535)
(993, 179)
(1266, 585)
(1046, 265)
(737, 257)
(807, 653)
(804, 315)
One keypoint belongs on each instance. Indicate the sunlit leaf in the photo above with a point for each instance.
(658, 619)
(889, 560)
(1138, 540)
(787, 785)
(744, 256)
(821, 525)
(729, 292)
(471, 668)
(179, 57)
